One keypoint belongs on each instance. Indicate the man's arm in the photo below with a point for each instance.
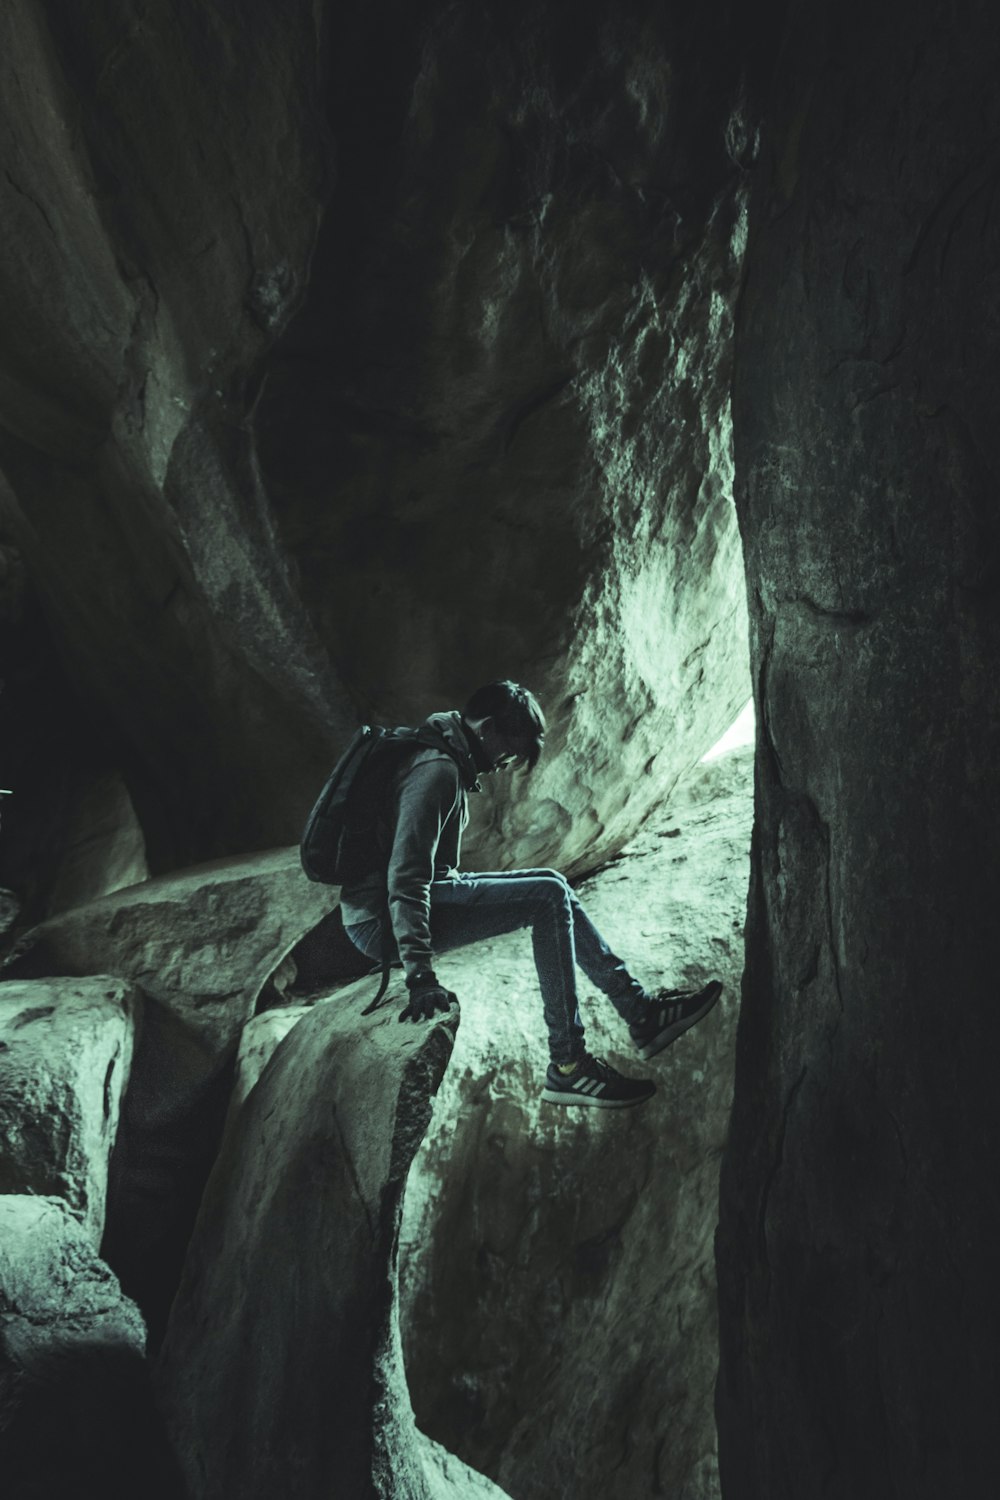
(429, 794)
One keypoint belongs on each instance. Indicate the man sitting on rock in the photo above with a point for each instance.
(432, 907)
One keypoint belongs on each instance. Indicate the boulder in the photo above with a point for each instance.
(65, 1058)
(281, 1372)
(558, 1307)
(201, 945)
(75, 1410)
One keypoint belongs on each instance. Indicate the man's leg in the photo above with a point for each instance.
(654, 1021)
(605, 970)
(470, 908)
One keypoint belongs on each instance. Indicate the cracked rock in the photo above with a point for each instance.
(65, 1056)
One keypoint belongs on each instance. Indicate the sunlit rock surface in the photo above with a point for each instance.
(75, 1415)
(354, 357)
(859, 1297)
(65, 1057)
(298, 1389)
(559, 1303)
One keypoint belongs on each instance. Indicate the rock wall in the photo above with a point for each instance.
(356, 355)
(856, 1249)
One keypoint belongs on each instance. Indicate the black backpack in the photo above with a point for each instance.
(340, 842)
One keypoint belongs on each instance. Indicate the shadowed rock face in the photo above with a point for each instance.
(75, 1413)
(300, 1389)
(857, 1244)
(493, 438)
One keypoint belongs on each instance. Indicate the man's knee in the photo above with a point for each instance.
(553, 886)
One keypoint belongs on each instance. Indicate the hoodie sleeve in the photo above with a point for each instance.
(430, 793)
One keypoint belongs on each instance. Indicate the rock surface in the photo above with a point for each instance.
(75, 1414)
(329, 327)
(201, 946)
(65, 1058)
(201, 943)
(559, 1302)
(859, 1299)
(558, 1297)
(281, 1373)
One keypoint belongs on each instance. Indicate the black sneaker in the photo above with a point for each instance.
(595, 1082)
(671, 1013)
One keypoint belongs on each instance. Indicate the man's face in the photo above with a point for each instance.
(502, 750)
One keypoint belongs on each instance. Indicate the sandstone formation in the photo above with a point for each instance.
(201, 946)
(75, 1417)
(857, 1260)
(298, 1389)
(558, 1303)
(201, 943)
(65, 1056)
(558, 1289)
(353, 357)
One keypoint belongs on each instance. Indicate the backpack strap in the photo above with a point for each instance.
(383, 986)
(385, 928)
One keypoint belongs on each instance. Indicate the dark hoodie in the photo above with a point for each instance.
(426, 816)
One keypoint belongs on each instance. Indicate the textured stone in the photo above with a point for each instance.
(859, 1300)
(201, 945)
(260, 1039)
(65, 1056)
(326, 329)
(558, 1291)
(75, 1413)
(299, 1390)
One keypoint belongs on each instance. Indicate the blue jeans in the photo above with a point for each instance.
(470, 908)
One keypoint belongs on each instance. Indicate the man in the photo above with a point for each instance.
(432, 907)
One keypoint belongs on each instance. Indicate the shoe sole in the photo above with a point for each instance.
(649, 1049)
(562, 1096)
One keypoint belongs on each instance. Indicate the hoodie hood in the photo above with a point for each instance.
(447, 730)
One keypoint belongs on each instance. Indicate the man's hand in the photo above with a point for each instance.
(426, 996)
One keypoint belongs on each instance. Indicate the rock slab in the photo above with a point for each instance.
(281, 1372)
(65, 1058)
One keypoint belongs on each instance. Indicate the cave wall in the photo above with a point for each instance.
(858, 1294)
(354, 355)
